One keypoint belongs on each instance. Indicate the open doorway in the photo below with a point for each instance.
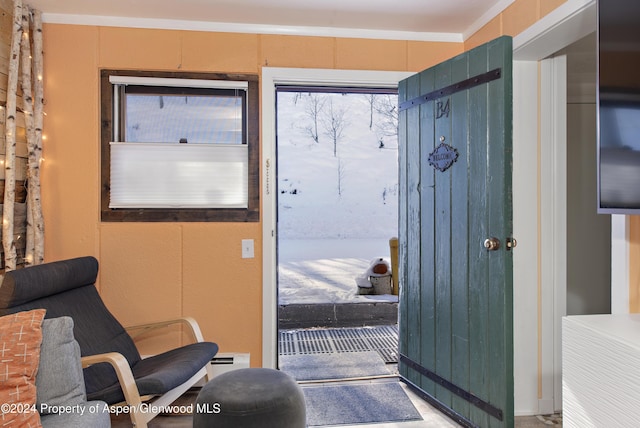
(272, 78)
(337, 208)
(337, 202)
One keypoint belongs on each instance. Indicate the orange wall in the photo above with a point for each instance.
(520, 15)
(153, 271)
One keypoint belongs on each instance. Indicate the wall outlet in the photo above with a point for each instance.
(247, 249)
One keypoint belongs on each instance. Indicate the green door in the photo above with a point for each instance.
(456, 309)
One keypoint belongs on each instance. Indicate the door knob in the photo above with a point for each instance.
(492, 244)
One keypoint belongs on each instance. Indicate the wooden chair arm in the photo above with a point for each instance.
(127, 382)
(190, 322)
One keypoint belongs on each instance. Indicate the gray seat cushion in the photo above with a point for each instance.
(59, 381)
(161, 373)
(60, 390)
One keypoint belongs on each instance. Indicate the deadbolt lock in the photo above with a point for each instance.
(492, 244)
(511, 243)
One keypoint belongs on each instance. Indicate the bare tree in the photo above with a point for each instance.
(340, 176)
(334, 123)
(387, 107)
(371, 100)
(313, 109)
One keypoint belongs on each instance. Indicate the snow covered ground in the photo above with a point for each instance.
(325, 270)
(337, 196)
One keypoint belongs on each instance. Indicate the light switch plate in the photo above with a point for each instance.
(247, 249)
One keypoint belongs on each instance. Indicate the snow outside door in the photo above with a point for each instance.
(456, 302)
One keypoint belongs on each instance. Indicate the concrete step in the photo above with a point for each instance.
(337, 314)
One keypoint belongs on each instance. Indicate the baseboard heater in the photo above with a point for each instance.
(226, 362)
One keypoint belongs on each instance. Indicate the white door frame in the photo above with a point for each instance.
(270, 78)
(543, 111)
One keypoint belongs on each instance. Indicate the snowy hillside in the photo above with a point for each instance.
(350, 195)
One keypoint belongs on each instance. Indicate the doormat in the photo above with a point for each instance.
(358, 404)
(334, 366)
(382, 339)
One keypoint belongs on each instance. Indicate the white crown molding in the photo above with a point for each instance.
(486, 18)
(170, 24)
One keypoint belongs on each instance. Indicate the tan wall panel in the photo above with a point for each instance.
(422, 55)
(220, 52)
(519, 16)
(70, 171)
(487, 33)
(222, 290)
(358, 54)
(139, 48)
(141, 274)
(295, 51)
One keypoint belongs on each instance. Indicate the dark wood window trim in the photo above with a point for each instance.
(250, 214)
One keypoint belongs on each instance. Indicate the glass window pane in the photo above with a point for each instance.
(195, 119)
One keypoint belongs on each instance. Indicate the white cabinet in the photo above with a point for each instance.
(601, 371)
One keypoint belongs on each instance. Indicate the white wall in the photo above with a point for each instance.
(588, 233)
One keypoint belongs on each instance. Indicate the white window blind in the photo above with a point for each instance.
(168, 175)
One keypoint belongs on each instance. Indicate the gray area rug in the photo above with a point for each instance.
(334, 365)
(358, 403)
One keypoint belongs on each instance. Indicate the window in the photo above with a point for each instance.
(179, 146)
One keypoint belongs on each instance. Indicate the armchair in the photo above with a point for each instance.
(114, 371)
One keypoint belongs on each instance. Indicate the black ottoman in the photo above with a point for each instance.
(247, 398)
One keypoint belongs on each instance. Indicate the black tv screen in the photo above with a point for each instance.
(619, 106)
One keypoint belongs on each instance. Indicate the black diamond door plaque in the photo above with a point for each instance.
(443, 157)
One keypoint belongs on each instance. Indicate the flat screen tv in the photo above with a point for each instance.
(619, 106)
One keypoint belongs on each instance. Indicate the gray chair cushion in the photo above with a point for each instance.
(55, 278)
(59, 381)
